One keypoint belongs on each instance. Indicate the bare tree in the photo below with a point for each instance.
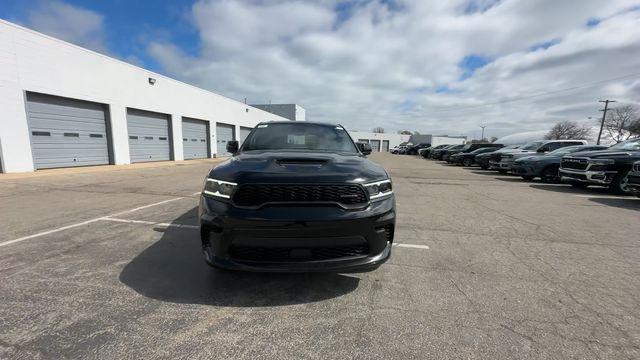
(493, 139)
(405, 132)
(620, 123)
(378, 130)
(568, 130)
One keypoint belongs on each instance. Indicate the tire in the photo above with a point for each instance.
(467, 162)
(618, 185)
(484, 167)
(579, 185)
(550, 175)
(528, 177)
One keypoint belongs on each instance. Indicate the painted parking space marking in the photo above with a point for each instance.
(411, 246)
(62, 228)
(128, 221)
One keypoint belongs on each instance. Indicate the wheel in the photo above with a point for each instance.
(579, 185)
(619, 183)
(527, 177)
(467, 162)
(550, 175)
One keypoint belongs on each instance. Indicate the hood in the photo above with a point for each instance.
(295, 167)
(605, 154)
(545, 158)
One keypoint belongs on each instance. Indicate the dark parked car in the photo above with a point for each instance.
(633, 179)
(297, 197)
(426, 153)
(452, 158)
(483, 159)
(444, 155)
(468, 158)
(535, 147)
(605, 168)
(546, 166)
(413, 150)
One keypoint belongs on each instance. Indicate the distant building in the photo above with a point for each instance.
(292, 112)
(435, 140)
(383, 142)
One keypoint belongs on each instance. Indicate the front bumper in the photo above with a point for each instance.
(296, 238)
(591, 177)
(526, 169)
(500, 165)
(633, 182)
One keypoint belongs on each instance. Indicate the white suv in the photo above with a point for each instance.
(533, 148)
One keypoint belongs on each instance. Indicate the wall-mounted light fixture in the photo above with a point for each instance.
(152, 81)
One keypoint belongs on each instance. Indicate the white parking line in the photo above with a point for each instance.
(198, 193)
(9, 242)
(411, 246)
(150, 223)
(605, 196)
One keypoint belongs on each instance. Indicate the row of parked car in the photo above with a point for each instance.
(553, 161)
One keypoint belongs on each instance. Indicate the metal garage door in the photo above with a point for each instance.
(224, 133)
(244, 132)
(385, 145)
(195, 138)
(375, 145)
(66, 132)
(148, 136)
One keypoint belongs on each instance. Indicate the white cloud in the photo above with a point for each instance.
(67, 22)
(380, 63)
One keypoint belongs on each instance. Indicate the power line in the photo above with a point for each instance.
(524, 97)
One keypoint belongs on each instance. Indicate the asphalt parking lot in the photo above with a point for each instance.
(108, 265)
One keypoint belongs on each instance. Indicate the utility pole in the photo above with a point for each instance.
(482, 136)
(604, 115)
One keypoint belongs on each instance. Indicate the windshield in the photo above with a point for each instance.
(566, 150)
(532, 145)
(633, 144)
(295, 136)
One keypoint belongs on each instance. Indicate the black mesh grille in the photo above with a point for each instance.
(280, 254)
(258, 194)
(574, 163)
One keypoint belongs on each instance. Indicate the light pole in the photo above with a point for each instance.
(482, 136)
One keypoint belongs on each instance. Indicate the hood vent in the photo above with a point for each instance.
(301, 161)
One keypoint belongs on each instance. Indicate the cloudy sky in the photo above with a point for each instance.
(431, 66)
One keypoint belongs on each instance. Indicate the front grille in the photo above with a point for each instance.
(574, 176)
(574, 163)
(259, 194)
(289, 254)
(634, 179)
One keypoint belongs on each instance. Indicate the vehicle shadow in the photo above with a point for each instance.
(630, 203)
(565, 188)
(173, 270)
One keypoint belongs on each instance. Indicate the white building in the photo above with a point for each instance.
(380, 142)
(62, 105)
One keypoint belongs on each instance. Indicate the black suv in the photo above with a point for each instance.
(413, 150)
(455, 155)
(297, 197)
(605, 167)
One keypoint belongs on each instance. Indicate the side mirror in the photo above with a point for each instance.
(232, 146)
(364, 148)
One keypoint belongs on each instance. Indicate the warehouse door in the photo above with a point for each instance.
(224, 134)
(66, 132)
(385, 145)
(375, 145)
(195, 138)
(148, 136)
(244, 132)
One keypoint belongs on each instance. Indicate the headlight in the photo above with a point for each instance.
(379, 189)
(219, 188)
